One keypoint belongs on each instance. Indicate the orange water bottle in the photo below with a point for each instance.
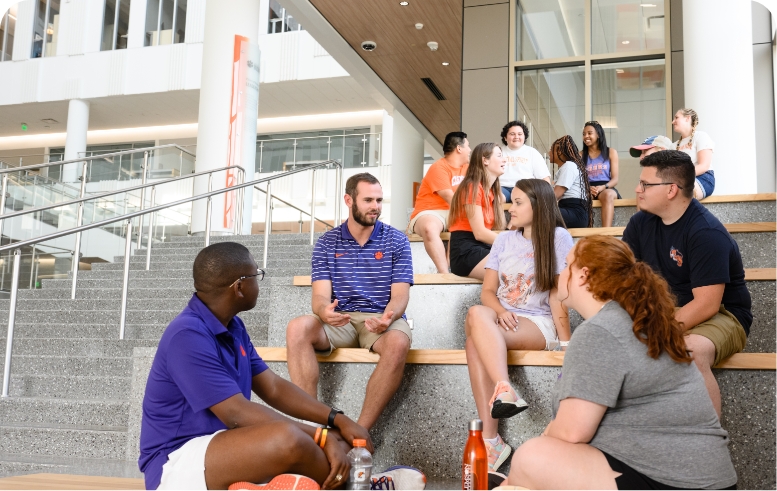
(474, 466)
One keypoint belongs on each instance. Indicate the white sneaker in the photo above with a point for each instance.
(399, 477)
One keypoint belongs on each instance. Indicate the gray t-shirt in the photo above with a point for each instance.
(659, 420)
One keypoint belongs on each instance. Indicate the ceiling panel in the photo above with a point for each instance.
(402, 57)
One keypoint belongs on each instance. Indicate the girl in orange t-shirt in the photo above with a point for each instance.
(475, 216)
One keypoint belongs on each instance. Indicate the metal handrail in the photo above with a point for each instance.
(93, 157)
(241, 186)
(295, 207)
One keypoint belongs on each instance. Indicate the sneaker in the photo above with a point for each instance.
(497, 454)
(399, 477)
(495, 479)
(284, 481)
(505, 403)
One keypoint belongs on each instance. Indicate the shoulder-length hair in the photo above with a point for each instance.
(476, 176)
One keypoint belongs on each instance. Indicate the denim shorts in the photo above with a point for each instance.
(707, 182)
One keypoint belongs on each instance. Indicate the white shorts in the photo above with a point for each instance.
(442, 215)
(185, 468)
(547, 328)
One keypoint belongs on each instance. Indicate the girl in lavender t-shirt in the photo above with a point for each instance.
(519, 305)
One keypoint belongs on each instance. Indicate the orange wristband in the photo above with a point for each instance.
(318, 435)
(323, 438)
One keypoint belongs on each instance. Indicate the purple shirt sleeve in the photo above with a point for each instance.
(319, 263)
(496, 249)
(194, 364)
(564, 244)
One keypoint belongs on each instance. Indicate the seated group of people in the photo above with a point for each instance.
(636, 405)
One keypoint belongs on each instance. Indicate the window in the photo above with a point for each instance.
(165, 22)
(356, 147)
(115, 25)
(7, 30)
(618, 76)
(280, 21)
(45, 28)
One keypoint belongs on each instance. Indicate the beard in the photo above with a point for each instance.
(361, 218)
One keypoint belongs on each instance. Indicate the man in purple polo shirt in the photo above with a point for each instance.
(362, 273)
(200, 429)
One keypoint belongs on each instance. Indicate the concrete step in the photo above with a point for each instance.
(76, 366)
(169, 248)
(185, 261)
(274, 238)
(48, 411)
(739, 212)
(69, 386)
(107, 317)
(100, 304)
(65, 440)
(80, 347)
(18, 464)
(134, 283)
(183, 270)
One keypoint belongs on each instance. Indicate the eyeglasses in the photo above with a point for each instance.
(259, 277)
(644, 185)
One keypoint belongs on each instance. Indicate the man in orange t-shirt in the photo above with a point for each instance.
(430, 216)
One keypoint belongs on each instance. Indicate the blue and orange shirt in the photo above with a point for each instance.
(198, 364)
(362, 276)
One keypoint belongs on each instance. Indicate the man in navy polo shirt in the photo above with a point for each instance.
(362, 273)
(200, 429)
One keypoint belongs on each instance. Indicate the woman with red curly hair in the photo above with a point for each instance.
(630, 410)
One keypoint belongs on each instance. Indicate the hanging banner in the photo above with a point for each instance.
(244, 106)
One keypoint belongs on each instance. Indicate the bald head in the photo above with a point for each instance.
(220, 264)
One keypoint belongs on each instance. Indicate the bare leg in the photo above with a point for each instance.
(479, 271)
(703, 352)
(607, 198)
(259, 453)
(384, 382)
(429, 228)
(549, 463)
(698, 193)
(482, 388)
(304, 335)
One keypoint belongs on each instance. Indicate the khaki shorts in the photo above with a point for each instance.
(441, 214)
(725, 332)
(355, 335)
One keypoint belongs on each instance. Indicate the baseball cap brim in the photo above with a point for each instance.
(636, 151)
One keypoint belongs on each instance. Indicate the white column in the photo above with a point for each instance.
(723, 98)
(403, 150)
(223, 20)
(75, 141)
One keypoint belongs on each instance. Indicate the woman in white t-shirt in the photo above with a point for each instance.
(523, 161)
(572, 188)
(699, 146)
(519, 307)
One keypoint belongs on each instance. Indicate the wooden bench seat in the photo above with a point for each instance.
(748, 227)
(69, 481)
(730, 198)
(738, 361)
(751, 274)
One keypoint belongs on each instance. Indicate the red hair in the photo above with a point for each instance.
(614, 274)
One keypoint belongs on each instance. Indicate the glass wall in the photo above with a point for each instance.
(115, 25)
(117, 168)
(165, 22)
(7, 30)
(356, 147)
(619, 76)
(550, 100)
(45, 30)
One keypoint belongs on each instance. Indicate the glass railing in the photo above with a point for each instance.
(352, 150)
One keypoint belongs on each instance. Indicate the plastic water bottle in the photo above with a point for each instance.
(474, 465)
(361, 466)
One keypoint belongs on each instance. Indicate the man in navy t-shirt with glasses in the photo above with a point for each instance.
(200, 429)
(683, 242)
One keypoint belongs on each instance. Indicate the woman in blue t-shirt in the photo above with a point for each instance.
(601, 162)
(519, 308)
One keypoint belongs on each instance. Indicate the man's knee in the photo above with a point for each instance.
(302, 330)
(702, 350)
(394, 346)
(430, 229)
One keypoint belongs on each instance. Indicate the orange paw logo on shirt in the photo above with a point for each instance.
(242, 350)
(378, 255)
(676, 255)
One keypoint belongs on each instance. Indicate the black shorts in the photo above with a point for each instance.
(574, 212)
(631, 479)
(602, 183)
(466, 252)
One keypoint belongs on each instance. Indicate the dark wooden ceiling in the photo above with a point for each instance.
(402, 57)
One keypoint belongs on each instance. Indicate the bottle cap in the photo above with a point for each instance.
(360, 442)
(476, 425)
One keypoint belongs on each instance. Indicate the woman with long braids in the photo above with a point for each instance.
(630, 409)
(572, 189)
(601, 163)
(699, 146)
(476, 217)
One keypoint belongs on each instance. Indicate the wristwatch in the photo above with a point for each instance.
(606, 186)
(334, 412)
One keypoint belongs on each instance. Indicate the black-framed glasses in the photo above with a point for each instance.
(259, 277)
(644, 185)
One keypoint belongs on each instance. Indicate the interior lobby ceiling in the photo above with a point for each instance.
(402, 57)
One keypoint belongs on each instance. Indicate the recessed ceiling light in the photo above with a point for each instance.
(445, 63)
(404, 4)
(647, 5)
(625, 42)
(618, 70)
